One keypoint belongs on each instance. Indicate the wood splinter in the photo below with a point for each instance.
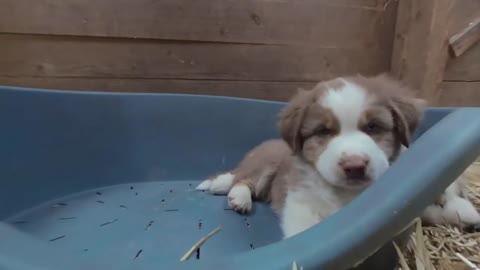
(466, 38)
(198, 244)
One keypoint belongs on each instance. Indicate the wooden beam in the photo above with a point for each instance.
(459, 94)
(420, 51)
(463, 40)
(465, 67)
(81, 57)
(247, 21)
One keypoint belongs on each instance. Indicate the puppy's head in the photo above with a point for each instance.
(350, 129)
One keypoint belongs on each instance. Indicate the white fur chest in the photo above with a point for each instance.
(309, 202)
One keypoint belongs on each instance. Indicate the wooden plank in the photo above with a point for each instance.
(463, 40)
(279, 91)
(463, 12)
(322, 22)
(59, 56)
(421, 49)
(466, 67)
(459, 94)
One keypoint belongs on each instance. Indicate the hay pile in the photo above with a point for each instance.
(444, 247)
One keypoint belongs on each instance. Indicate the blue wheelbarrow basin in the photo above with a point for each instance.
(107, 181)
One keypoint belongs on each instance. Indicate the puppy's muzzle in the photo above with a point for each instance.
(354, 167)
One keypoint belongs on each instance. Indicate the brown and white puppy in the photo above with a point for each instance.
(338, 138)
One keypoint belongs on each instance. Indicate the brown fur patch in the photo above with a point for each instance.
(318, 128)
(291, 119)
(377, 121)
(297, 120)
(278, 192)
(259, 166)
(406, 109)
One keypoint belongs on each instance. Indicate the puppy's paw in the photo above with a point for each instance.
(456, 211)
(240, 199)
(222, 184)
(219, 185)
(462, 211)
(205, 185)
(434, 215)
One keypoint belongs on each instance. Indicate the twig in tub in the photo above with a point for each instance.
(198, 244)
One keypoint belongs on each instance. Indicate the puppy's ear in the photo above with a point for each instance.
(407, 114)
(291, 119)
(407, 110)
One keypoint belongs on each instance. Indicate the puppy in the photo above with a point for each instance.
(337, 139)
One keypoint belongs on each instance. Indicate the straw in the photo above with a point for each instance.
(198, 244)
(467, 262)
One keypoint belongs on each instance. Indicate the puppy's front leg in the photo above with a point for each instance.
(240, 196)
(297, 217)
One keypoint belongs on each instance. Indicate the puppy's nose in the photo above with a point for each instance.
(354, 166)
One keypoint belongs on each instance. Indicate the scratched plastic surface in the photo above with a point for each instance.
(145, 224)
(121, 171)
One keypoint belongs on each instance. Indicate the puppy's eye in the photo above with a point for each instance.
(324, 131)
(372, 127)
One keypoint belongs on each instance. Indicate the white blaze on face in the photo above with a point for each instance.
(348, 104)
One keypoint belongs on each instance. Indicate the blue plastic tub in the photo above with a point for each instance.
(106, 181)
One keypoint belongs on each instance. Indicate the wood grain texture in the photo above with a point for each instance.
(463, 12)
(463, 40)
(459, 94)
(322, 22)
(278, 91)
(420, 50)
(71, 57)
(251, 48)
(465, 67)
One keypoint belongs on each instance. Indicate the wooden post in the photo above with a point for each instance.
(420, 50)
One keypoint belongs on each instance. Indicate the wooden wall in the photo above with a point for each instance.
(461, 84)
(461, 80)
(249, 48)
(425, 54)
